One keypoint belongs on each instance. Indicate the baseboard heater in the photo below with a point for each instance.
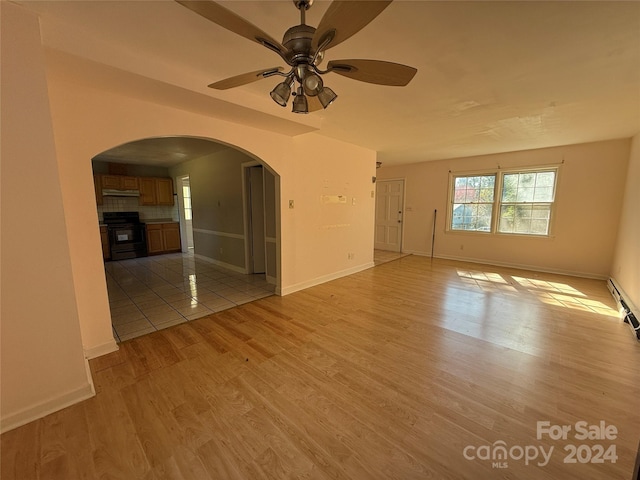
(629, 317)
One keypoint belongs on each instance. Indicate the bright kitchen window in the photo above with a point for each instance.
(186, 195)
(505, 202)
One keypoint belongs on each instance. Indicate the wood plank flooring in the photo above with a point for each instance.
(393, 373)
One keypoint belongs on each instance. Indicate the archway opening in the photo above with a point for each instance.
(229, 217)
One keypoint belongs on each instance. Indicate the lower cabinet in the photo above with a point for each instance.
(104, 238)
(163, 238)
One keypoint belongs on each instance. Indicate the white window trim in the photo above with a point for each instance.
(497, 199)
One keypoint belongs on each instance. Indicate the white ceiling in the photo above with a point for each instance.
(492, 76)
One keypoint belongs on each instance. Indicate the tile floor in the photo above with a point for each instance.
(151, 293)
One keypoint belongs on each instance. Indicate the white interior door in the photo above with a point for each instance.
(389, 202)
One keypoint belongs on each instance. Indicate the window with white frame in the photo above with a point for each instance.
(472, 199)
(506, 202)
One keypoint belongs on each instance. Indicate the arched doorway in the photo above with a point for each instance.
(159, 288)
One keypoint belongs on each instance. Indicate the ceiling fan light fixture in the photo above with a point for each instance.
(312, 84)
(326, 96)
(281, 93)
(303, 48)
(300, 104)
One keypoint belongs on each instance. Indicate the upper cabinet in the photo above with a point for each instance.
(153, 190)
(148, 194)
(164, 191)
(156, 191)
(97, 184)
(119, 182)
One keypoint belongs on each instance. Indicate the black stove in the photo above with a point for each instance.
(127, 235)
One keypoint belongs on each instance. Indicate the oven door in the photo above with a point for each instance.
(125, 234)
(127, 241)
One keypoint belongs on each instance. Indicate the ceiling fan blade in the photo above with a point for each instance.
(245, 78)
(374, 71)
(346, 18)
(232, 22)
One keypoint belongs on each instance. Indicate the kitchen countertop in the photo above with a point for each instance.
(152, 221)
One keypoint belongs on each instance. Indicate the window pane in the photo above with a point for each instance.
(509, 188)
(545, 179)
(472, 194)
(526, 198)
(539, 227)
(542, 212)
(524, 219)
(523, 211)
(525, 194)
(543, 194)
(475, 217)
(522, 225)
(526, 180)
(488, 181)
(187, 202)
(472, 202)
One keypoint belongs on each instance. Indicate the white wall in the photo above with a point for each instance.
(50, 237)
(89, 120)
(626, 264)
(588, 204)
(217, 202)
(43, 367)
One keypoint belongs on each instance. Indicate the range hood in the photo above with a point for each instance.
(112, 192)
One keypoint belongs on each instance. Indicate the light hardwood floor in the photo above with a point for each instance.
(390, 373)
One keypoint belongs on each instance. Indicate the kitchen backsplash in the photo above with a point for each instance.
(130, 204)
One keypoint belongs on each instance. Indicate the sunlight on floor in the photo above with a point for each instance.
(532, 283)
(487, 282)
(550, 293)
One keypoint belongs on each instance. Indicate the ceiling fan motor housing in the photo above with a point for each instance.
(297, 41)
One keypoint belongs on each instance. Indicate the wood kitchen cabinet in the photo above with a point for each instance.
(171, 237)
(148, 191)
(156, 191)
(104, 238)
(97, 185)
(163, 238)
(164, 191)
(119, 182)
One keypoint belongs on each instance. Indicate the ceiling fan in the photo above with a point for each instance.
(303, 48)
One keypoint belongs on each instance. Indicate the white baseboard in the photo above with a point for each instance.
(99, 350)
(228, 266)
(417, 252)
(521, 266)
(324, 278)
(42, 409)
